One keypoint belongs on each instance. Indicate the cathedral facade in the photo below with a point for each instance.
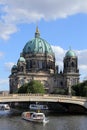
(37, 62)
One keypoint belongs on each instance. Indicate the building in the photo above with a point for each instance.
(37, 62)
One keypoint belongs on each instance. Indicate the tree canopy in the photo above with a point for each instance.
(80, 89)
(32, 87)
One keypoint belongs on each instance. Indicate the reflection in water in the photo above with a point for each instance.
(11, 120)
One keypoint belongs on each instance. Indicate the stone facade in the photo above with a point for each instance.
(37, 62)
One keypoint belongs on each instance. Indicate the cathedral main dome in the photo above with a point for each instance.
(37, 45)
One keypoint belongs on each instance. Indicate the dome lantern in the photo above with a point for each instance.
(37, 33)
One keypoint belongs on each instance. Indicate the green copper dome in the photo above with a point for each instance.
(21, 59)
(14, 67)
(37, 45)
(70, 53)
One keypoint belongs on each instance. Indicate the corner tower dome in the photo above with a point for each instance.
(21, 59)
(37, 45)
(70, 53)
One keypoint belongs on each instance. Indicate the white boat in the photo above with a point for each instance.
(4, 107)
(38, 107)
(35, 117)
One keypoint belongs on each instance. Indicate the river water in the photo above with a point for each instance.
(11, 121)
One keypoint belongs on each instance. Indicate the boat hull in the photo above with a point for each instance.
(37, 119)
(4, 107)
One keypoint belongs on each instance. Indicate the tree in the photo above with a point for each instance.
(23, 88)
(32, 87)
(80, 89)
(85, 91)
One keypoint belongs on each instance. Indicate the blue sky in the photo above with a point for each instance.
(62, 23)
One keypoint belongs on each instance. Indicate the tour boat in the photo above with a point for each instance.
(38, 107)
(35, 117)
(4, 107)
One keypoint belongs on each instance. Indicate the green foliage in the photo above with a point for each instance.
(80, 89)
(32, 87)
(22, 89)
(85, 91)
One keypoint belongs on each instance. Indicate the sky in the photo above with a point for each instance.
(62, 23)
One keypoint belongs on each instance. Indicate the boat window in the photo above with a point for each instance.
(34, 115)
(40, 116)
(27, 114)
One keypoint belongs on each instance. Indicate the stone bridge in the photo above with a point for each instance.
(43, 98)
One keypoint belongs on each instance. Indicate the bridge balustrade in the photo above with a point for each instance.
(45, 95)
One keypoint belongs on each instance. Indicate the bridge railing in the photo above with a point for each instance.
(44, 95)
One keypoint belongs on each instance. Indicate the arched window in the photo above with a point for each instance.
(21, 68)
(30, 63)
(61, 83)
(67, 64)
(40, 64)
(72, 64)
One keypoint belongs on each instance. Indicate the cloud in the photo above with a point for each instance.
(6, 30)
(82, 61)
(59, 55)
(4, 82)
(14, 12)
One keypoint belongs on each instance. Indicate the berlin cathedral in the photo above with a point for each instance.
(37, 62)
